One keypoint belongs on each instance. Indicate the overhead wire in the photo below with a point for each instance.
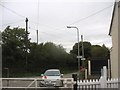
(12, 22)
(38, 16)
(82, 19)
(58, 29)
(44, 32)
(12, 11)
(22, 16)
(92, 14)
(52, 29)
(37, 22)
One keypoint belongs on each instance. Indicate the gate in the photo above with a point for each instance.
(32, 84)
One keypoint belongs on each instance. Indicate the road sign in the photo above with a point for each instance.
(79, 56)
(83, 59)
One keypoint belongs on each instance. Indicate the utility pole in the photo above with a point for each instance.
(37, 36)
(82, 46)
(26, 44)
(83, 55)
(83, 58)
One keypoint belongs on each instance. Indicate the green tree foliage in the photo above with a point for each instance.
(91, 50)
(87, 49)
(39, 58)
(49, 55)
(13, 47)
(100, 51)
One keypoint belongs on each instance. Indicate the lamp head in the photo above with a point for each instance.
(68, 26)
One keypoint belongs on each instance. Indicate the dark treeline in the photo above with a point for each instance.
(40, 56)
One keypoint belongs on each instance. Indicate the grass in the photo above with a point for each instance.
(23, 74)
(35, 74)
(68, 71)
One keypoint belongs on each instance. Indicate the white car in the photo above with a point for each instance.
(51, 77)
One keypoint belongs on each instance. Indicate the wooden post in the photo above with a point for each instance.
(89, 67)
(74, 76)
(86, 74)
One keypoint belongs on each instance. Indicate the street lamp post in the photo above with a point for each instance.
(78, 49)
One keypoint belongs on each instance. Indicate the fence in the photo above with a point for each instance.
(101, 83)
(30, 83)
(67, 83)
(72, 83)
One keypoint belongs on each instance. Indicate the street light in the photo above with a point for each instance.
(78, 49)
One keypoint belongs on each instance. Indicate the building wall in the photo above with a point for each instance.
(114, 53)
(118, 39)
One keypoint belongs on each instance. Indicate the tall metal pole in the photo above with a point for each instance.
(37, 22)
(78, 53)
(37, 36)
(78, 50)
(26, 40)
(82, 46)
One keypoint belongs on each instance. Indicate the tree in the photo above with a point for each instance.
(107, 51)
(100, 51)
(87, 49)
(49, 55)
(13, 47)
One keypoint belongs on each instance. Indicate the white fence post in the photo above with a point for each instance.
(105, 72)
(86, 74)
(103, 82)
(103, 79)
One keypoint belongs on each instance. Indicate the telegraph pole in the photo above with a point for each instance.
(82, 46)
(37, 36)
(26, 43)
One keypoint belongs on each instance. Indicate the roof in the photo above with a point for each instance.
(113, 13)
(53, 70)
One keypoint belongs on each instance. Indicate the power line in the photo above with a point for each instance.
(38, 15)
(91, 15)
(37, 21)
(12, 22)
(88, 16)
(44, 32)
(12, 11)
(58, 29)
(47, 26)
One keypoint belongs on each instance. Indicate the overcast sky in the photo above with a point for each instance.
(51, 17)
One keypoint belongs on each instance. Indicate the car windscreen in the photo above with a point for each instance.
(52, 73)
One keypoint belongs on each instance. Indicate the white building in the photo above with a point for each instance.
(115, 33)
